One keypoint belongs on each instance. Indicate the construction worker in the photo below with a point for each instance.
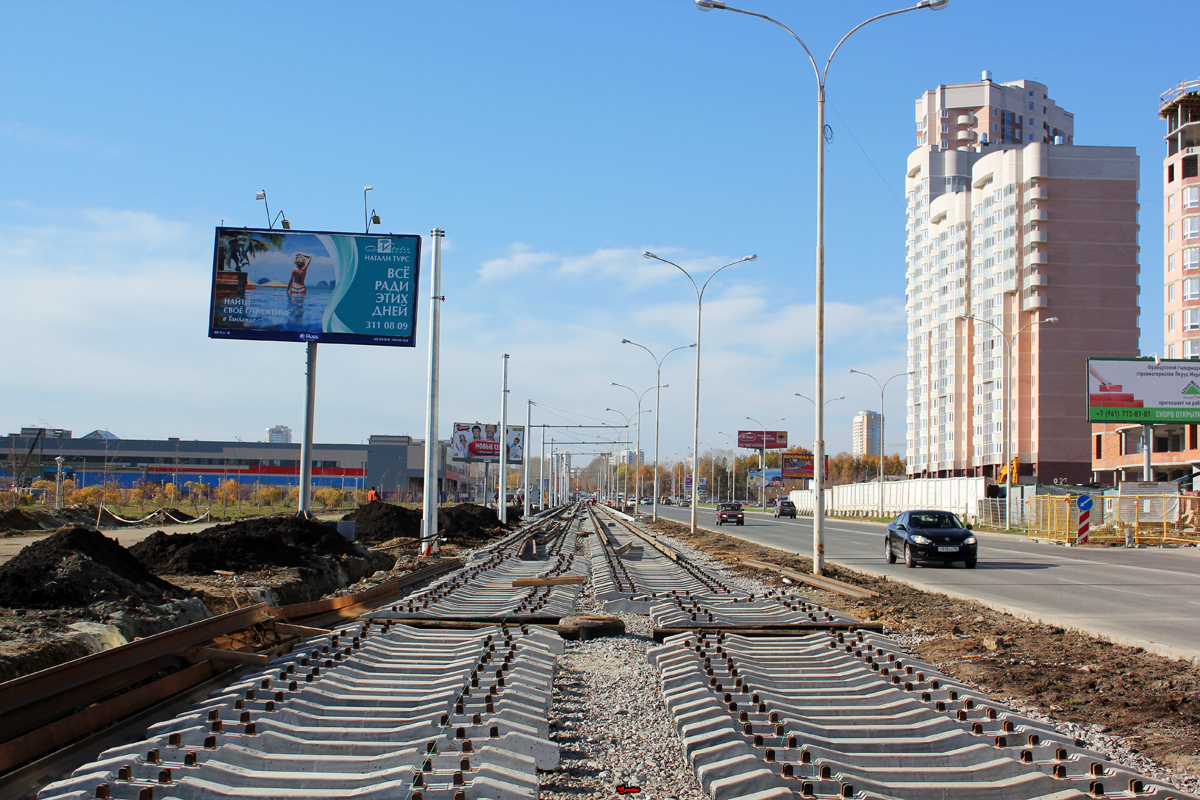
(372, 495)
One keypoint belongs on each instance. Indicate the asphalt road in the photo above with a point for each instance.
(1145, 597)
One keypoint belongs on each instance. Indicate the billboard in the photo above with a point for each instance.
(774, 477)
(1143, 390)
(687, 483)
(753, 440)
(480, 441)
(309, 286)
(800, 466)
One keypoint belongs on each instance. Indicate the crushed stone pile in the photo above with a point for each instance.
(378, 522)
(77, 567)
(248, 545)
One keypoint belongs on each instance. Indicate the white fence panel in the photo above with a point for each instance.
(960, 495)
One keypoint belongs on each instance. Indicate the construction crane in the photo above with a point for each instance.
(21, 472)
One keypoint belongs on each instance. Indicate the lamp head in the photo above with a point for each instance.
(374, 217)
(751, 257)
(1049, 320)
(624, 341)
(368, 188)
(287, 226)
(709, 5)
(648, 254)
(261, 194)
(935, 5)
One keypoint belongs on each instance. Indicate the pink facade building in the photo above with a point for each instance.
(1117, 450)
(1011, 225)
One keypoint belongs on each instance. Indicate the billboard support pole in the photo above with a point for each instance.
(502, 480)
(310, 402)
(429, 517)
(1147, 450)
(525, 457)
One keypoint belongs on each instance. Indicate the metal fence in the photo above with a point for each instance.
(1118, 519)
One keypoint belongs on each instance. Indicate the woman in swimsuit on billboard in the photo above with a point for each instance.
(296, 283)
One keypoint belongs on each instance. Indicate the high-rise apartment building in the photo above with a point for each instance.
(1117, 453)
(865, 432)
(1180, 107)
(280, 434)
(1010, 224)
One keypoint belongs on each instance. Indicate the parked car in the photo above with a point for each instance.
(730, 512)
(928, 535)
(664, 501)
(785, 508)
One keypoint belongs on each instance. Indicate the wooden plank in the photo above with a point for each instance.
(201, 654)
(303, 631)
(45, 683)
(558, 580)
(301, 610)
(623, 549)
(819, 581)
(23, 720)
(45, 739)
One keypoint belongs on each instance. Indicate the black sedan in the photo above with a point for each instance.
(930, 536)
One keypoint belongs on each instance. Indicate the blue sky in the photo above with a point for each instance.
(553, 141)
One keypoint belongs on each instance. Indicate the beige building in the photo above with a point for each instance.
(1011, 223)
(865, 430)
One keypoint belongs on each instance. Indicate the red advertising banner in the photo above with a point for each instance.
(753, 440)
(800, 465)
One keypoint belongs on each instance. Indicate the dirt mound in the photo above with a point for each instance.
(75, 567)
(244, 546)
(468, 523)
(376, 523)
(89, 515)
(168, 516)
(14, 519)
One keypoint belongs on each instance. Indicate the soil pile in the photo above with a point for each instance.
(377, 522)
(87, 515)
(244, 546)
(169, 516)
(468, 523)
(77, 567)
(14, 519)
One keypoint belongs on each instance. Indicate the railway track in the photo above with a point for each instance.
(446, 693)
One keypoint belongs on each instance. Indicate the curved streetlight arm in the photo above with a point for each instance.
(922, 4)
(812, 60)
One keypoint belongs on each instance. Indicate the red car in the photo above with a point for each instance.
(730, 512)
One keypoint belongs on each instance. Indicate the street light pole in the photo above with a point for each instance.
(658, 362)
(699, 308)
(882, 387)
(819, 405)
(733, 471)
(814, 402)
(658, 395)
(763, 463)
(1008, 426)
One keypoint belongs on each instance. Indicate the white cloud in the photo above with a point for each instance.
(520, 259)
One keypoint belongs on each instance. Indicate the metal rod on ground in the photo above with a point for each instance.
(429, 516)
(310, 403)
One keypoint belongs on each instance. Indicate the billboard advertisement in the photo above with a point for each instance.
(800, 466)
(774, 477)
(309, 286)
(753, 440)
(1143, 390)
(687, 483)
(480, 441)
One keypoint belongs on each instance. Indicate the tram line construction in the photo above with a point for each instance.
(446, 692)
